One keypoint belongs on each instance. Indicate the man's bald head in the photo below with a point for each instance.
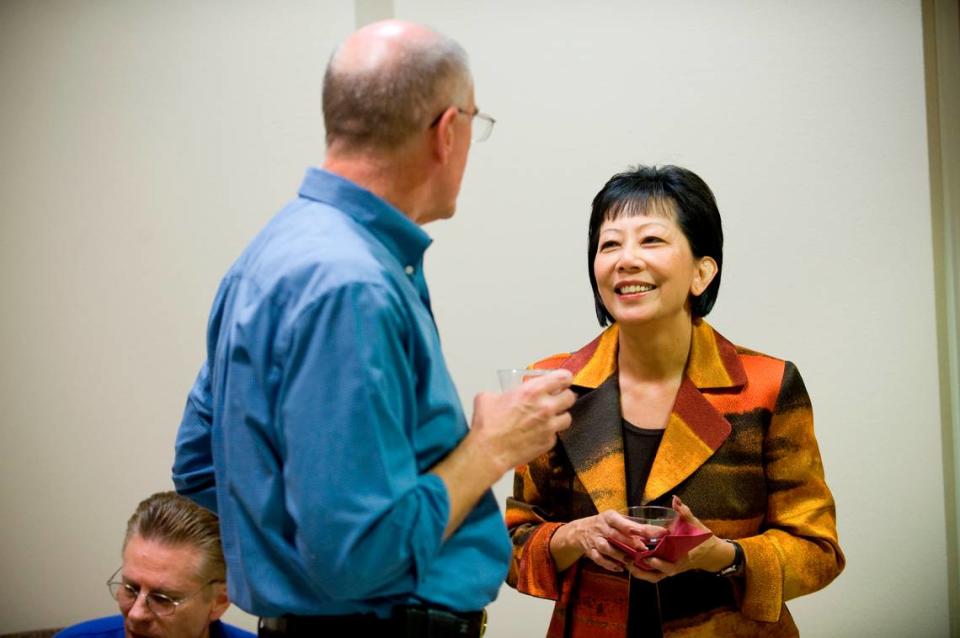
(385, 83)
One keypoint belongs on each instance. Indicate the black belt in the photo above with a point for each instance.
(406, 622)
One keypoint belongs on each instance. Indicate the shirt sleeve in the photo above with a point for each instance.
(798, 552)
(367, 519)
(193, 473)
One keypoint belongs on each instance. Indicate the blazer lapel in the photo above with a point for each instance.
(594, 444)
(696, 429)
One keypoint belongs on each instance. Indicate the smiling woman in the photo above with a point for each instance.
(670, 413)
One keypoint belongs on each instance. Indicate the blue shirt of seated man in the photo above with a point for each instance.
(112, 627)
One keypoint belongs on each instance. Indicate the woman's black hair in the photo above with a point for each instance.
(642, 190)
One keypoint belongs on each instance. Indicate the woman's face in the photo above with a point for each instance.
(645, 269)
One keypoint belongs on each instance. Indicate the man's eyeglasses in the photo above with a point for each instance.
(160, 604)
(482, 123)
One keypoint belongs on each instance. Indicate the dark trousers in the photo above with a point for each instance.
(406, 622)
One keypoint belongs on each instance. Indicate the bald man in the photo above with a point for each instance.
(324, 427)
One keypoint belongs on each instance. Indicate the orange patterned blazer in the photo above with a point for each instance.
(738, 448)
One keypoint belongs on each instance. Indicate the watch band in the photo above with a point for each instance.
(736, 567)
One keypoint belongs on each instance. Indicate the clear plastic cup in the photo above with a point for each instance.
(511, 378)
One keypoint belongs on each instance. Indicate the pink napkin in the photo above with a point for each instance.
(680, 538)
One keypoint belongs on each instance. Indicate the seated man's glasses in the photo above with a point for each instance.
(482, 123)
(160, 604)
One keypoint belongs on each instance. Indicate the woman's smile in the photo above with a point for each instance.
(631, 289)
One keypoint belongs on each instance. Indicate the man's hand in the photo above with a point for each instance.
(521, 424)
(507, 430)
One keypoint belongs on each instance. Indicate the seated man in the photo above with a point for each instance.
(172, 582)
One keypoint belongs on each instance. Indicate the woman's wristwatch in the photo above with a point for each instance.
(736, 567)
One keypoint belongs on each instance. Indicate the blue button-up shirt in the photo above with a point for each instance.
(324, 401)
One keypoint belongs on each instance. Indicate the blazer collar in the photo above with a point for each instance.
(713, 361)
(695, 429)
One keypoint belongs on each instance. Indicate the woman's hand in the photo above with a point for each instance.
(588, 537)
(712, 555)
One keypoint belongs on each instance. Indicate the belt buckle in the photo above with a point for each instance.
(483, 622)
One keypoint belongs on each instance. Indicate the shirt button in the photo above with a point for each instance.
(409, 270)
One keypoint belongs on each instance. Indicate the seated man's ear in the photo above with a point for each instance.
(220, 602)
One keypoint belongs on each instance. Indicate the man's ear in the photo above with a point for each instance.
(221, 601)
(443, 134)
(706, 271)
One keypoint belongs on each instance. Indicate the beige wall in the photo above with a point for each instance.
(942, 61)
(145, 142)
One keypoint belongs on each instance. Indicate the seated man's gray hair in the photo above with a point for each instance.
(171, 519)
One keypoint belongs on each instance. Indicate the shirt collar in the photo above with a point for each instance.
(401, 236)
